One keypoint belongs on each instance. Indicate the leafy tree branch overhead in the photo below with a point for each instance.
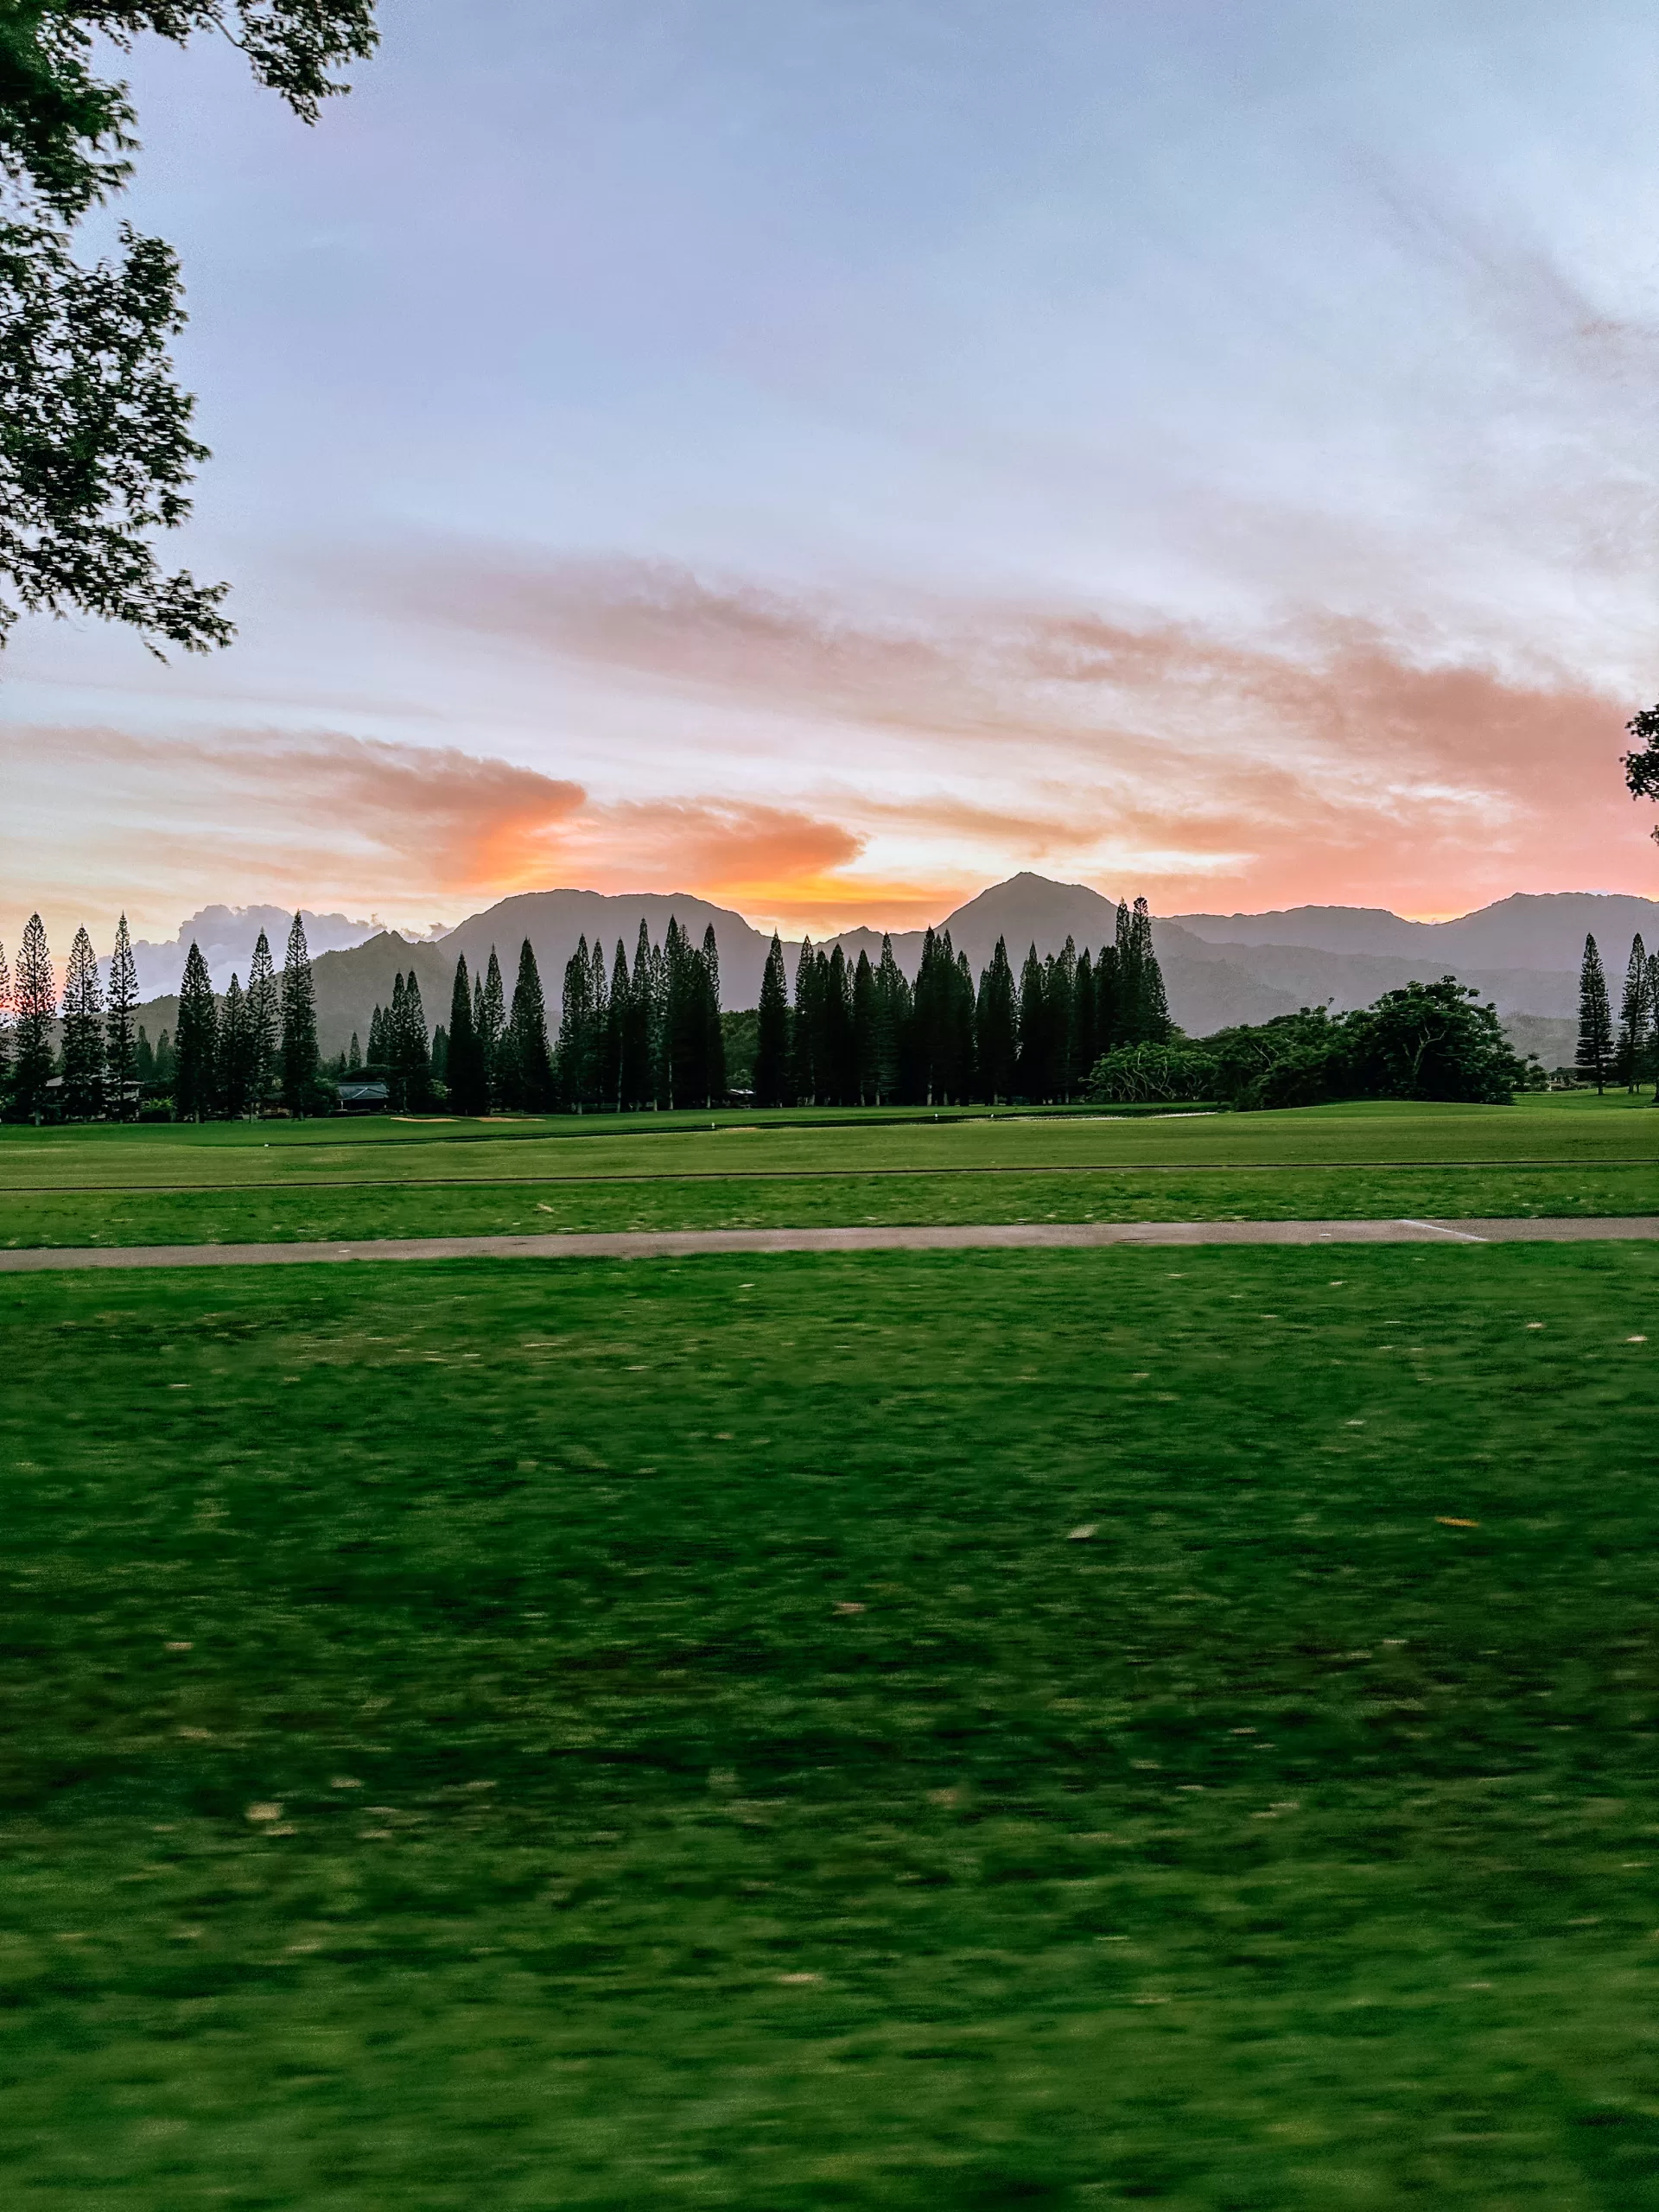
(96, 448)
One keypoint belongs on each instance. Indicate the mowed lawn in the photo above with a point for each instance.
(1568, 1154)
(968, 1731)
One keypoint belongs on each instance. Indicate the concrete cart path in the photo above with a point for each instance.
(688, 1244)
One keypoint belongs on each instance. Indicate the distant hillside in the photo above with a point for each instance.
(1531, 932)
(226, 936)
(1522, 953)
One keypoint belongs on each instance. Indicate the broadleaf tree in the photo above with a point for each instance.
(97, 450)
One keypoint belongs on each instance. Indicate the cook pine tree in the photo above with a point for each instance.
(195, 1042)
(1635, 1018)
(264, 1020)
(5, 1021)
(531, 1066)
(235, 1089)
(299, 1025)
(37, 998)
(1595, 1020)
(83, 1032)
(121, 1002)
(469, 1089)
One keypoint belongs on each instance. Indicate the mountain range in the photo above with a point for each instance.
(1522, 953)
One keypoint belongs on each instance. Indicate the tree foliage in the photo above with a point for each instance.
(1425, 1041)
(96, 451)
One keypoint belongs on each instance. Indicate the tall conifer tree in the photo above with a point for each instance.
(195, 1043)
(1034, 1054)
(892, 1002)
(864, 1028)
(803, 1030)
(235, 1038)
(636, 1082)
(997, 1027)
(1153, 1007)
(143, 1058)
(83, 1032)
(771, 1029)
(299, 1025)
(5, 1023)
(37, 998)
(414, 1059)
(575, 1050)
(119, 1045)
(714, 1043)
(1595, 1019)
(1083, 1050)
(532, 1070)
(392, 1037)
(1634, 1016)
(619, 1015)
(469, 1090)
(264, 1016)
(493, 1027)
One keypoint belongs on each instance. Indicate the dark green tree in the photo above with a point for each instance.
(772, 1035)
(997, 1027)
(804, 1036)
(618, 1014)
(167, 1065)
(1631, 1058)
(235, 1054)
(354, 1057)
(299, 1025)
(636, 1082)
(440, 1055)
(1595, 1019)
(411, 1058)
(196, 1043)
(1059, 993)
(577, 1061)
(533, 1068)
(83, 1032)
(493, 1023)
(864, 1029)
(713, 1036)
(5, 1026)
(1036, 1059)
(469, 1089)
(265, 1024)
(892, 1013)
(36, 998)
(143, 1059)
(98, 450)
(121, 1003)
(1082, 1048)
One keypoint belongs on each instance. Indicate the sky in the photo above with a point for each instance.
(829, 457)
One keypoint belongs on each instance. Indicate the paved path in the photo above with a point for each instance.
(687, 1244)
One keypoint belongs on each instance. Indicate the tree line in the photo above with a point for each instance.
(1630, 1052)
(258, 1046)
(635, 1034)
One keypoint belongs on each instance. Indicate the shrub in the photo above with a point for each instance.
(1144, 1074)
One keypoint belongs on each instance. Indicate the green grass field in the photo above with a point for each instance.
(1573, 1153)
(1059, 1729)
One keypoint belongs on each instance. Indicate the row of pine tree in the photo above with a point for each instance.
(1628, 1054)
(630, 1036)
(225, 1058)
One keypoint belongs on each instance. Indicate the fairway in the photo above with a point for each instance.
(1574, 1153)
(1063, 1728)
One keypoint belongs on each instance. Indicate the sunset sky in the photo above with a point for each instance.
(829, 455)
